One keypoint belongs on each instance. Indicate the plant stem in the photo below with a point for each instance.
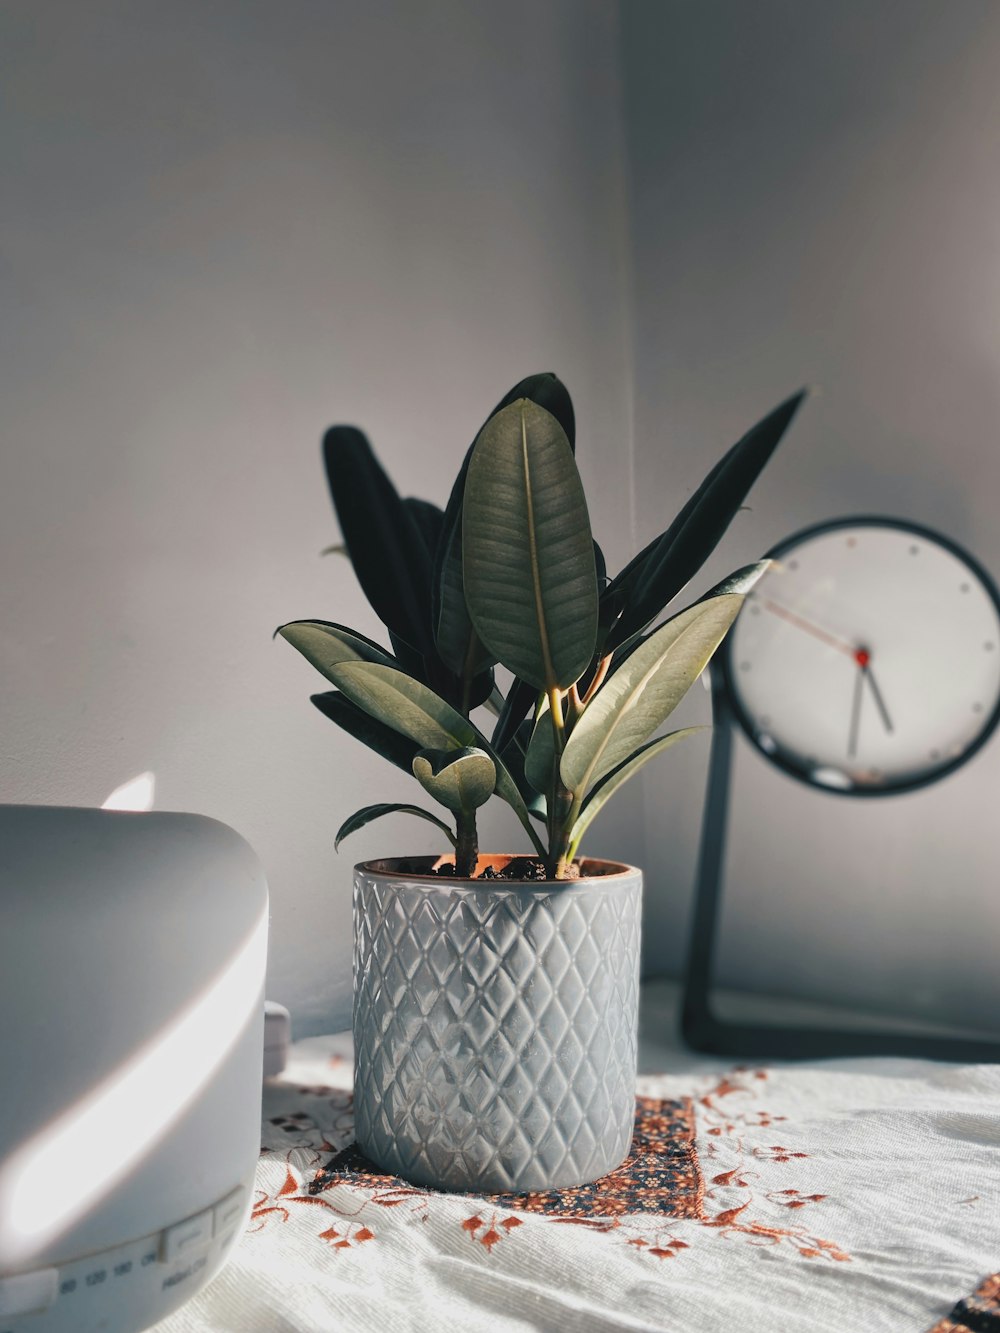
(599, 675)
(466, 844)
(556, 714)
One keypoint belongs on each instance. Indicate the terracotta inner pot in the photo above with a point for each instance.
(590, 867)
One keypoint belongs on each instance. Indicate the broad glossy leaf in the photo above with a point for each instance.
(409, 707)
(655, 576)
(528, 553)
(456, 640)
(365, 816)
(600, 566)
(399, 701)
(399, 750)
(389, 555)
(459, 779)
(508, 790)
(513, 758)
(325, 645)
(408, 659)
(739, 582)
(540, 759)
(520, 698)
(644, 691)
(429, 519)
(610, 783)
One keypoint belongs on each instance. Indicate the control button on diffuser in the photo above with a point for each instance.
(187, 1237)
(27, 1293)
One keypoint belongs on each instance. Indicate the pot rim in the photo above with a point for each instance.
(601, 871)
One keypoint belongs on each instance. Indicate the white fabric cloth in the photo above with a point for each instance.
(839, 1197)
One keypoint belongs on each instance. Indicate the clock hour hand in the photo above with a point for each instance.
(852, 739)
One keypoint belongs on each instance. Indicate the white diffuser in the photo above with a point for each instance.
(132, 958)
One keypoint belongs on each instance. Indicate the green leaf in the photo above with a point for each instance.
(528, 553)
(457, 642)
(540, 758)
(429, 519)
(644, 691)
(459, 779)
(739, 582)
(325, 645)
(610, 783)
(365, 816)
(655, 576)
(508, 790)
(399, 750)
(404, 704)
(387, 550)
(520, 697)
(513, 758)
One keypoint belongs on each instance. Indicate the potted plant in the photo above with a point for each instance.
(496, 997)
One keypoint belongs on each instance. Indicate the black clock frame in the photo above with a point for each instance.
(700, 1026)
(724, 658)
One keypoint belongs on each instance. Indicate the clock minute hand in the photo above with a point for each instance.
(876, 692)
(816, 631)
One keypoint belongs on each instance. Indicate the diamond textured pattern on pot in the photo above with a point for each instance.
(495, 1030)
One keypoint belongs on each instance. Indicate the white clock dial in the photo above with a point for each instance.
(868, 659)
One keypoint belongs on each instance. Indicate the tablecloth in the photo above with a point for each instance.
(848, 1196)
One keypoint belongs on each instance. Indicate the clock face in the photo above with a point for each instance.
(868, 660)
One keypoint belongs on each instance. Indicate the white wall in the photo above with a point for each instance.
(816, 199)
(223, 228)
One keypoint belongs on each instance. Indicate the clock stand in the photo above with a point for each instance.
(701, 1028)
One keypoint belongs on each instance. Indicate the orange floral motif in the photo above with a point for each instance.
(662, 1249)
(473, 1225)
(346, 1240)
(726, 1132)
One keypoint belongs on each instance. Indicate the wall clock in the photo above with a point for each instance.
(865, 663)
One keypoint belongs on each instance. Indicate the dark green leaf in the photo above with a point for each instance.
(429, 519)
(459, 779)
(387, 550)
(643, 692)
(520, 698)
(365, 816)
(408, 659)
(399, 750)
(601, 566)
(655, 576)
(528, 553)
(400, 701)
(456, 640)
(324, 644)
(540, 760)
(627, 769)
(513, 758)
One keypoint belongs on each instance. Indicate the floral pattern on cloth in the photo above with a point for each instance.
(826, 1198)
(660, 1175)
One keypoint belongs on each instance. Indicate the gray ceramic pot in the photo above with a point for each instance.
(495, 1026)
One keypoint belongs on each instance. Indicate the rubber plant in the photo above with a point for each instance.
(509, 575)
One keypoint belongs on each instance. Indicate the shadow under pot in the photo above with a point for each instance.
(495, 1024)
